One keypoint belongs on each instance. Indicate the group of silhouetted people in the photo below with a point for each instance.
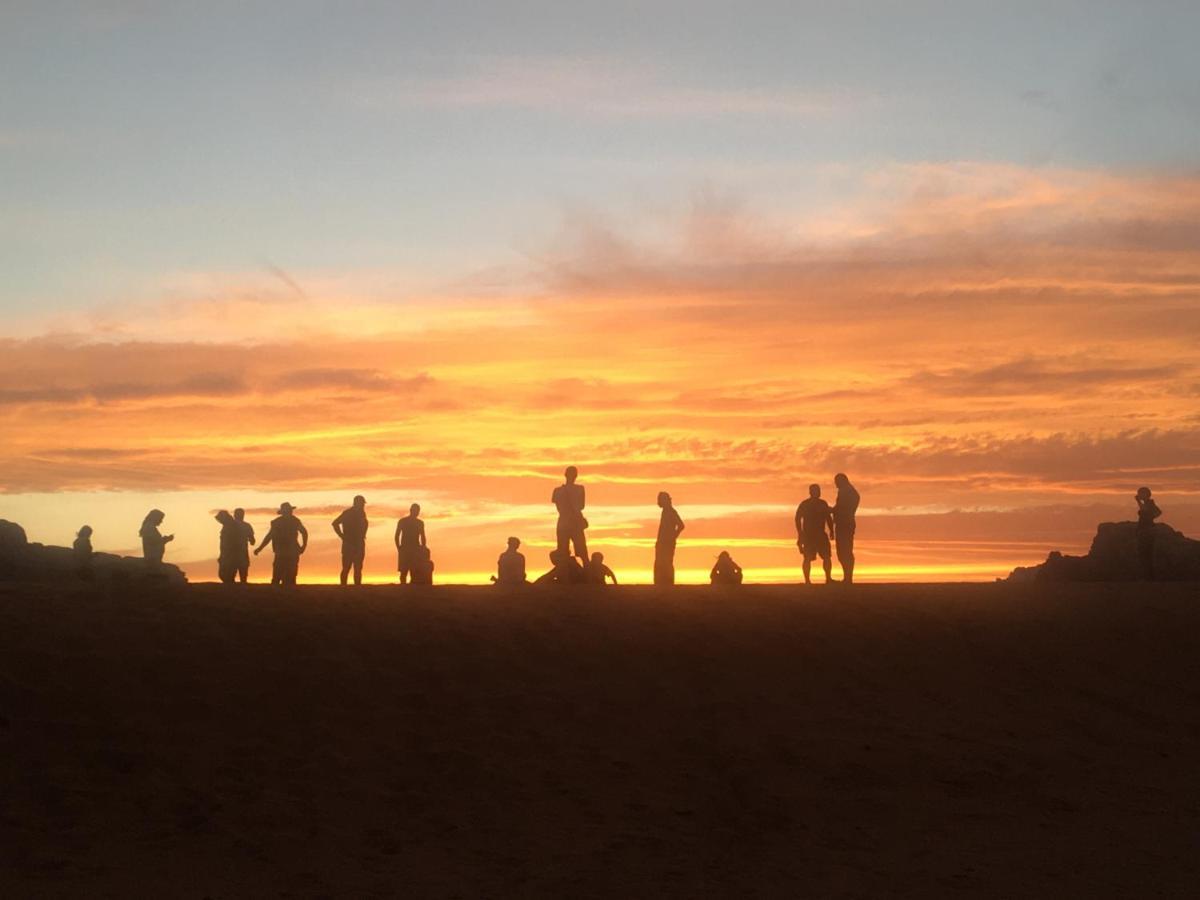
(819, 528)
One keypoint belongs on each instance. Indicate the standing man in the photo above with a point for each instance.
(669, 527)
(814, 524)
(351, 526)
(1148, 511)
(569, 499)
(410, 538)
(844, 510)
(288, 539)
(244, 545)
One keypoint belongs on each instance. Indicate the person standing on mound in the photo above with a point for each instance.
(351, 526)
(814, 524)
(410, 541)
(154, 543)
(1148, 511)
(569, 499)
(845, 508)
(669, 527)
(288, 539)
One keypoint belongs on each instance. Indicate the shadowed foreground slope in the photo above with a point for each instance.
(900, 741)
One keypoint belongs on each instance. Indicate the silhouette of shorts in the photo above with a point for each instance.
(816, 545)
(353, 553)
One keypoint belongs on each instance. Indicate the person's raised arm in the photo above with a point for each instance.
(338, 525)
(303, 534)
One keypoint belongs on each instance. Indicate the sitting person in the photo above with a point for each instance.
(567, 570)
(510, 567)
(726, 571)
(422, 566)
(82, 550)
(598, 572)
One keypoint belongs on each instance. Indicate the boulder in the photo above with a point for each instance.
(23, 561)
(1113, 556)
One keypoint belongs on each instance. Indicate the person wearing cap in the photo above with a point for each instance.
(288, 539)
(351, 526)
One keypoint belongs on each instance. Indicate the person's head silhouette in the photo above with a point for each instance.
(239, 514)
(571, 474)
(664, 499)
(841, 480)
(514, 543)
(814, 491)
(1143, 493)
(286, 509)
(598, 558)
(360, 501)
(85, 531)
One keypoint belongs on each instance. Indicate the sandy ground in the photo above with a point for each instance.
(906, 741)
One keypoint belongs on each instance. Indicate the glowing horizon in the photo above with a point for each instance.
(379, 254)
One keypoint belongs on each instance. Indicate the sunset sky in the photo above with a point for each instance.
(253, 252)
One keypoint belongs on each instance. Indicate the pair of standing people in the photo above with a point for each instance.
(569, 498)
(817, 522)
(237, 537)
(412, 552)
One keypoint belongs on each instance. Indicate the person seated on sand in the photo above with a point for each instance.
(510, 567)
(422, 566)
(1148, 511)
(726, 571)
(154, 543)
(567, 570)
(232, 546)
(597, 572)
(82, 550)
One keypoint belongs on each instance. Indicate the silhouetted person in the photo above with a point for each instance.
(510, 566)
(597, 572)
(244, 545)
(1148, 511)
(569, 499)
(410, 538)
(845, 508)
(154, 543)
(669, 527)
(288, 539)
(726, 571)
(566, 570)
(814, 523)
(82, 552)
(232, 547)
(422, 570)
(351, 526)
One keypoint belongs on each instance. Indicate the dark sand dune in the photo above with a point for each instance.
(992, 740)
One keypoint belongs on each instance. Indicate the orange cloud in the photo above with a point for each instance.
(992, 339)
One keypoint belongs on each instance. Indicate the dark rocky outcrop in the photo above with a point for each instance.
(21, 560)
(1114, 557)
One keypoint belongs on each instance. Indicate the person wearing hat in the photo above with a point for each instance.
(351, 526)
(288, 538)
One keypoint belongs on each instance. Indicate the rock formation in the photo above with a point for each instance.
(22, 561)
(1113, 557)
